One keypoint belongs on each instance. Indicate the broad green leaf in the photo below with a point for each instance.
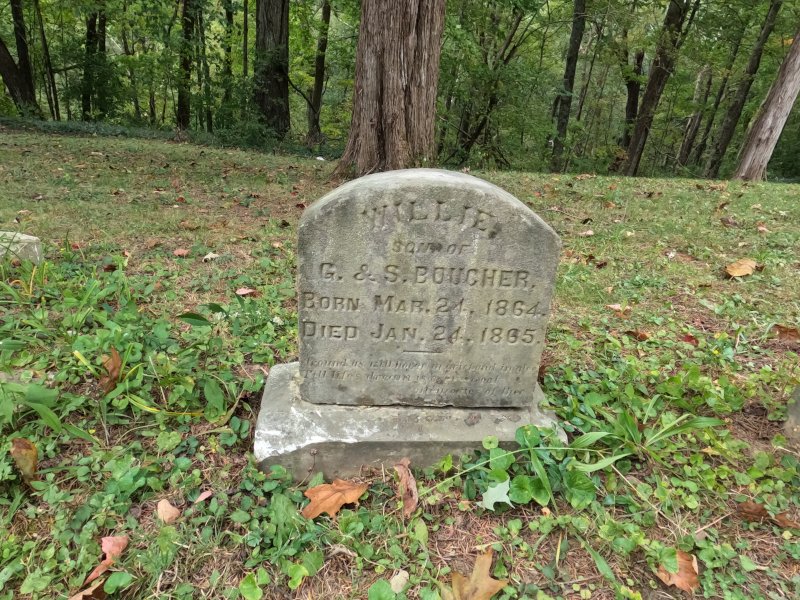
(39, 394)
(747, 564)
(500, 459)
(297, 573)
(528, 436)
(496, 493)
(215, 400)
(381, 590)
(48, 416)
(313, 561)
(588, 439)
(249, 589)
(578, 489)
(118, 580)
(600, 464)
(194, 319)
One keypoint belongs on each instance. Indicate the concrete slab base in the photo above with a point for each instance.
(21, 246)
(338, 440)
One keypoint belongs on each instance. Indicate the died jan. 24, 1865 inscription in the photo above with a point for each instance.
(423, 287)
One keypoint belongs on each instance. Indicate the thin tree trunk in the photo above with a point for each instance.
(23, 55)
(588, 78)
(766, 127)
(314, 108)
(184, 104)
(245, 37)
(129, 49)
(660, 72)
(21, 94)
(89, 67)
(48, 65)
(207, 96)
(702, 88)
(734, 112)
(101, 69)
(271, 66)
(227, 61)
(565, 97)
(397, 74)
(697, 155)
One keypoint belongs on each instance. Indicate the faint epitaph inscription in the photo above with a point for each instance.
(423, 287)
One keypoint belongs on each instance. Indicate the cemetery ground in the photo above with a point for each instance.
(133, 359)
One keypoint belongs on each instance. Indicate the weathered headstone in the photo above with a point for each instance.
(21, 246)
(423, 297)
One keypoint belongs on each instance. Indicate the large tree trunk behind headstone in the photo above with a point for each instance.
(89, 67)
(734, 112)
(564, 100)
(397, 75)
(660, 71)
(21, 94)
(21, 39)
(766, 128)
(315, 106)
(702, 88)
(271, 66)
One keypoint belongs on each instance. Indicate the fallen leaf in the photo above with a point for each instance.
(203, 496)
(113, 365)
(762, 228)
(639, 335)
(757, 513)
(188, 225)
(621, 311)
(26, 457)
(741, 268)
(687, 578)
(93, 592)
(480, 585)
(180, 252)
(399, 581)
(496, 493)
(330, 497)
(787, 334)
(166, 512)
(210, 256)
(587, 233)
(784, 520)
(690, 339)
(407, 487)
(112, 546)
(248, 292)
(729, 222)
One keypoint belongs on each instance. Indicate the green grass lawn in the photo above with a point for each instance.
(678, 373)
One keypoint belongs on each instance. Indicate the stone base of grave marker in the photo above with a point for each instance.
(21, 246)
(338, 440)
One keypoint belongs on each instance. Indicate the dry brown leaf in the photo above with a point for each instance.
(757, 513)
(112, 546)
(203, 496)
(729, 222)
(113, 365)
(407, 487)
(330, 497)
(180, 252)
(587, 233)
(93, 592)
(639, 335)
(784, 520)
(245, 291)
(787, 334)
(166, 512)
(741, 268)
(480, 585)
(687, 578)
(619, 310)
(26, 457)
(761, 228)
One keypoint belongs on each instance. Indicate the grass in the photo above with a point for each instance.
(594, 519)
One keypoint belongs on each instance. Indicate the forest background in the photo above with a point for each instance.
(526, 84)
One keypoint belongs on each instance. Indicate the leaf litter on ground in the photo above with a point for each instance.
(330, 497)
(479, 586)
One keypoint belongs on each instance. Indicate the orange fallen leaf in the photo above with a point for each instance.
(639, 335)
(180, 252)
(26, 457)
(93, 592)
(687, 578)
(330, 497)
(166, 512)
(112, 546)
(787, 334)
(113, 365)
(203, 496)
(761, 228)
(784, 520)
(755, 512)
(407, 487)
(621, 311)
(741, 268)
(480, 585)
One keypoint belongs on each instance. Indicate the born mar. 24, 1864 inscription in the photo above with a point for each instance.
(425, 288)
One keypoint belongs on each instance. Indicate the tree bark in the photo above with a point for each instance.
(565, 97)
(207, 95)
(660, 72)
(315, 106)
(766, 127)
(101, 68)
(702, 88)
(48, 65)
(184, 104)
(734, 112)
(89, 67)
(21, 40)
(245, 37)
(21, 94)
(227, 61)
(397, 75)
(271, 66)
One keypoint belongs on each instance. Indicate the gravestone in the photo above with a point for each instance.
(423, 298)
(21, 246)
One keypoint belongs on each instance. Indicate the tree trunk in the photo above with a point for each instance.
(245, 37)
(101, 68)
(271, 66)
(697, 155)
(129, 50)
(48, 65)
(664, 60)
(734, 112)
(766, 127)
(565, 97)
(702, 88)
(23, 55)
(19, 90)
(397, 75)
(227, 61)
(89, 67)
(207, 96)
(315, 106)
(184, 104)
